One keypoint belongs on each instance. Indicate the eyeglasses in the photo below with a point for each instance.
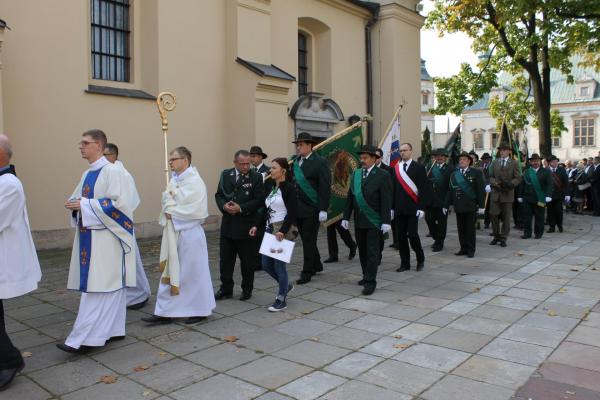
(109, 154)
(175, 159)
(85, 143)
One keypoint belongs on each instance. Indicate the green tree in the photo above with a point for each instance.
(426, 144)
(524, 39)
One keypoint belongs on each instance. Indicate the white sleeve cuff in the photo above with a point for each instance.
(88, 217)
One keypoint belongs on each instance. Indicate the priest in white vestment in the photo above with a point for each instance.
(185, 289)
(103, 258)
(19, 266)
(137, 296)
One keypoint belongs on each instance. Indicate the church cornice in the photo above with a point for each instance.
(348, 7)
(401, 13)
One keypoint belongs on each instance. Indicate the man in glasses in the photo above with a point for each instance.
(103, 257)
(137, 296)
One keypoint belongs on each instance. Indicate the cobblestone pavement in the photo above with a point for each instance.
(525, 316)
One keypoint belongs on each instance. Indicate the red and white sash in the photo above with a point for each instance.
(407, 184)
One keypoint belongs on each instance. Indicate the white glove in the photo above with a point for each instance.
(548, 199)
(322, 216)
(385, 228)
(420, 214)
(392, 214)
(520, 199)
(481, 211)
(344, 224)
(445, 211)
(488, 188)
(567, 199)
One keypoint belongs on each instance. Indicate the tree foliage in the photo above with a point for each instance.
(426, 143)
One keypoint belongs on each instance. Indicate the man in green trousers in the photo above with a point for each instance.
(534, 193)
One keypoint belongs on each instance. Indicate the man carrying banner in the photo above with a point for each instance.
(438, 176)
(466, 195)
(370, 198)
(504, 178)
(533, 193)
(484, 165)
(410, 196)
(103, 260)
(313, 181)
(560, 186)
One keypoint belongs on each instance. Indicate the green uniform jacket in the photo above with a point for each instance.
(526, 190)
(249, 193)
(317, 173)
(376, 191)
(560, 183)
(459, 199)
(439, 187)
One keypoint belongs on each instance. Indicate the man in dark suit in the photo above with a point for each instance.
(313, 181)
(409, 201)
(504, 178)
(594, 174)
(380, 164)
(560, 186)
(466, 195)
(240, 196)
(332, 244)
(484, 165)
(370, 198)
(438, 177)
(533, 194)
(257, 157)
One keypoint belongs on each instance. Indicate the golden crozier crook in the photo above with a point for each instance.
(166, 102)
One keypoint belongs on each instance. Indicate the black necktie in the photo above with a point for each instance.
(365, 172)
(503, 162)
(405, 166)
(301, 161)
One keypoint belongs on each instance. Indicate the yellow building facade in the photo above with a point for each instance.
(245, 72)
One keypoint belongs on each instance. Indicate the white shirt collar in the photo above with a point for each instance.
(99, 163)
(369, 170)
(182, 175)
(407, 163)
(308, 156)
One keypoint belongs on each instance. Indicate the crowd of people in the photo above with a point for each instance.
(287, 198)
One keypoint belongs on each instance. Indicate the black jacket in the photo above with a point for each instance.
(526, 190)
(560, 183)
(290, 199)
(376, 191)
(317, 173)
(438, 187)
(459, 199)
(402, 203)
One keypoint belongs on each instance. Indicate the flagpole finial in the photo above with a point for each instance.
(367, 117)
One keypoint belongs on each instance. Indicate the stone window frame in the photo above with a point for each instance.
(577, 125)
(479, 134)
(304, 81)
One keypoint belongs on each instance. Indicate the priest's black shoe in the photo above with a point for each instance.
(157, 320)
(470, 255)
(137, 306)
(551, 230)
(537, 236)
(221, 294)
(7, 375)
(72, 350)
(525, 236)
(368, 290)
(115, 339)
(303, 279)
(460, 253)
(420, 265)
(330, 260)
(361, 282)
(193, 320)
(246, 294)
(402, 269)
(352, 253)
(494, 242)
(503, 243)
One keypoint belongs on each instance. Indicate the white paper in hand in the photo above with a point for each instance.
(273, 248)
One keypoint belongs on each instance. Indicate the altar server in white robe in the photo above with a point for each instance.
(103, 260)
(19, 266)
(185, 289)
(137, 296)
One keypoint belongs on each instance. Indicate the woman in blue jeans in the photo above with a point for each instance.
(281, 206)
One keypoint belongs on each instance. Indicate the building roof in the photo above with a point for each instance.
(373, 7)
(424, 74)
(266, 70)
(561, 91)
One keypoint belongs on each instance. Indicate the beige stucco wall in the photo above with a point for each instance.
(188, 47)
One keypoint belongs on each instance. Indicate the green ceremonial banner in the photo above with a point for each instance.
(340, 151)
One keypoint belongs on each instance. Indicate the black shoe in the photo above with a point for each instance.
(318, 269)
(257, 268)
(494, 242)
(221, 294)
(394, 246)
(193, 320)
(437, 248)
(330, 260)
(246, 295)
(551, 230)
(368, 290)
(470, 255)
(537, 236)
(115, 339)
(420, 265)
(72, 350)
(137, 306)
(525, 236)
(352, 253)
(460, 253)
(303, 279)
(503, 243)
(491, 234)
(486, 226)
(156, 320)
(402, 269)
(7, 375)
(560, 229)
(361, 282)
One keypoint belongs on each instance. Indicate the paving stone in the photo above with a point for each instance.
(485, 326)
(577, 355)
(70, 376)
(387, 346)
(458, 388)
(415, 331)
(498, 313)
(223, 357)
(527, 294)
(439, 318)
(264, 318)
(301, 307)
(432, 357)
(494, 371)
(531, 334)
(513, 302)
(171, 375)
(270, 372)
(459, 340)
(31, 312)
(348, 338)
(24, 388)
(549, 322)
(562, 310)
(592, 320)
(326, 297)
(30, 338)
(233, 306)
(311, 353)
(143, 331)
(363, 305)
(377, 324)
(304, 328)
(273, 396)
(400, 311)
(335, 315)
(226, 327)
(460, 307)
(183, 342)
(414, 379)
(426, 302)
(122, 389)
(353, 364)
(522, 353)
(570, 375)
(125, 359)
(311, 386)
(356, 390)
(219, 387)
(537, 388)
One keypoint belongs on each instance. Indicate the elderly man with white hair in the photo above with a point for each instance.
(19, 268)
